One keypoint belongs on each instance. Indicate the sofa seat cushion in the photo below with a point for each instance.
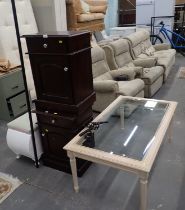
(143, 56)
(150, 75)
(131, 88)
(90, 17)
(105, 76)
(130, 64)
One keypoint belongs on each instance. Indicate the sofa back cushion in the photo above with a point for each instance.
(100, 68)
(90, 17)
(121, 52)
(85, 7)
(139, 42)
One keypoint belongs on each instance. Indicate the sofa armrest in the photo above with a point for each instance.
(71, 12)
(163, 46)
(127, 71)
(97, 6)
(138, 71)
(97, 2)
(145, 63)
(106, 86)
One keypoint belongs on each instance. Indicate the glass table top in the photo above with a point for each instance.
(129, 129)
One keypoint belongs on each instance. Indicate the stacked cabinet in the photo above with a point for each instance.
(62, 70)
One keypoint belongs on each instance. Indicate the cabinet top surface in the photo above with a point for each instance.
(6, 74)
(57, 33)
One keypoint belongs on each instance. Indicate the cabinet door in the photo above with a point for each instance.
(52, 77)
(54, 139)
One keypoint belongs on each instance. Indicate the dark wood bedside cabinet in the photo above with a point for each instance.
(62, 71)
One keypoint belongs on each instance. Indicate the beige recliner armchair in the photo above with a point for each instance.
(118, 56)
(141, 47)
(105, 85)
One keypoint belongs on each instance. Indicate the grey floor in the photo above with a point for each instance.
(102, 188)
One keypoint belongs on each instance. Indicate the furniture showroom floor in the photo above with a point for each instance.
(104, 188)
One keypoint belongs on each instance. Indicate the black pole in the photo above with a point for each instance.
(25, 82)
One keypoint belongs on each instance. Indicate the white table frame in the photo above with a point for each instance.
(141, 168)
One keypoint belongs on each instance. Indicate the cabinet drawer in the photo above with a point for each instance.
(12, 84)
(65, 120)
(56, 120)
(18, 104)
(41, 45)
(66, 42)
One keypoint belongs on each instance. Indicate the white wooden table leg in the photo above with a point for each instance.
(122, 117)
(170, 131)
(18, 156)
(143, 194)
(74, 172)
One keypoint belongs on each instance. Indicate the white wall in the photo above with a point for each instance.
(111, 19)
(157, 8)
(164, 7)
(50, 15)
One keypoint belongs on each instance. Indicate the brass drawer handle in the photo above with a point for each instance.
(15, 87)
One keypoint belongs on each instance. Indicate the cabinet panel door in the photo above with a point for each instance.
(54, 139)
(52, 77)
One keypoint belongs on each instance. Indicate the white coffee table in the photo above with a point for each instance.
(130, 141)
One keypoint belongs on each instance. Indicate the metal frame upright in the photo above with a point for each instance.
(25, 82)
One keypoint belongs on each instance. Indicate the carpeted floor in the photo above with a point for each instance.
(103, 188)
(181, 73)
(7, 185)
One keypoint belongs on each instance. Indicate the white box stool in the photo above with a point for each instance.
(19, 138)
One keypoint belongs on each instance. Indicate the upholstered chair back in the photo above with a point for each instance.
(118, 54)
(121, 52)
(139, 43)
(100, 68)
(8, 41)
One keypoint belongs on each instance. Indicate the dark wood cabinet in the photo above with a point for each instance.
(62, 71)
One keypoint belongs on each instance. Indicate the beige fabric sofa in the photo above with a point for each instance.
(106, 87)
(141, 47)
(118, 56)
(93, 20)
